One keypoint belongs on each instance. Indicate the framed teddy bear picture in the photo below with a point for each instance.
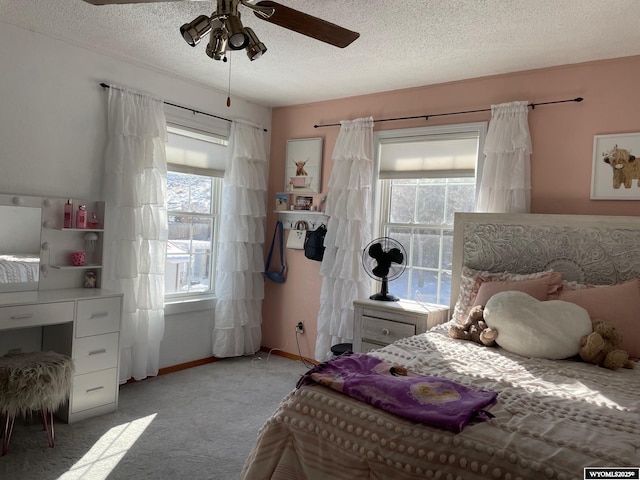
(616, 167)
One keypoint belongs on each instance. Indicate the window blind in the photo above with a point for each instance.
(438, 155)
(196, 154)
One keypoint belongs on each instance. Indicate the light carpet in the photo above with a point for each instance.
(194, 424)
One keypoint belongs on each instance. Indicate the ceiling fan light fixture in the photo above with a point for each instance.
(194, 31)
(227, 8)
(217, 46)
(238, 38)
(256, 48)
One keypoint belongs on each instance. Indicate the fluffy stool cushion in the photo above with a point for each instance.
(32, 381)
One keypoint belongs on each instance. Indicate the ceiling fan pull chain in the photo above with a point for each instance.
(229, 87)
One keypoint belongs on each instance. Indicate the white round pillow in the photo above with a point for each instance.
(532, 328)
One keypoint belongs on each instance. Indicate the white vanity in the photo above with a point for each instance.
(44, 306)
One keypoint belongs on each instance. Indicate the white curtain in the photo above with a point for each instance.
(136, 225)
(240, 262)
(348, 232)
(505, 185)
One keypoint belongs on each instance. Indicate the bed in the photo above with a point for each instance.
(19, 268)
(552, 419)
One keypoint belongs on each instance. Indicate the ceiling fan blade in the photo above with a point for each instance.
(121, 2)
(308, 25)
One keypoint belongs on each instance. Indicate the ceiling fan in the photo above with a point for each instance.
(228, 33)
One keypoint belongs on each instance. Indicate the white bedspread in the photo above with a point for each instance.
(19, 268)
(552, 419)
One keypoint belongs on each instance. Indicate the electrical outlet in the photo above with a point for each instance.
(300, 327)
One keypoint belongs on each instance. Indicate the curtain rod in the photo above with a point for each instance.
(105, 85)
(426, 117)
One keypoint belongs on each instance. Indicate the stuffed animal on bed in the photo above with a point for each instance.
(601, 347)
(475, 329)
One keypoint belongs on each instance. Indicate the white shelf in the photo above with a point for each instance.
(79, 229)
(301, 212)
(74, 267)
(290, 217)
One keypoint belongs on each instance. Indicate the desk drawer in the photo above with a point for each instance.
(35, 315)
(97, 352)
(94, 389)
(98, 316)
(385, 331)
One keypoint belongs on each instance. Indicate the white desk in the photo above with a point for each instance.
(83, 323)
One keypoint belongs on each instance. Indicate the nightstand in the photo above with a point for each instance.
(378, 323)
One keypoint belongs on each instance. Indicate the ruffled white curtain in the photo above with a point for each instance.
(136, 225)
(239, 275)
(348, 232)
(505, 186)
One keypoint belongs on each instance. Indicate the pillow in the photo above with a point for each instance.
(618, 304)
(538, 288)
(471, 280)
(531, 328)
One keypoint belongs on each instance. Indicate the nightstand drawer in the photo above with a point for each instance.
(385, 331)
(367, 346)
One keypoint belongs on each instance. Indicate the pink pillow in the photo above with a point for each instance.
(618, 304)
(471, 280)
(538, 288)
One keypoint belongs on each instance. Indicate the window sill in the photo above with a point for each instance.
(176, 306)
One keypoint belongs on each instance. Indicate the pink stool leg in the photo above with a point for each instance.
(47, 423)
(6, 433)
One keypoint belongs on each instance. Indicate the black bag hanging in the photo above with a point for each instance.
(278, 277)
(314, 244)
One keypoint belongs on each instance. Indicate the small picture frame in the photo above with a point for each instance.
(303, 202)
(304, 165)
(282, 201)
(90, 280)
(615, 171)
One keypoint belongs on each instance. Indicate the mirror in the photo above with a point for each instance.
(20, 221)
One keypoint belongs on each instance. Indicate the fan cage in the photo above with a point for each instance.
(369, 263)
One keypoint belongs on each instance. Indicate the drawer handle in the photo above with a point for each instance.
(21, 316)
(385, 331)
(97, 352)
(99, 315)
(89, 390)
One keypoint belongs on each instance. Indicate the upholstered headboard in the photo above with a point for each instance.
(594, 249)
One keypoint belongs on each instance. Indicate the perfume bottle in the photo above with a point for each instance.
(93, 221)
(68, 214)
(81, 217)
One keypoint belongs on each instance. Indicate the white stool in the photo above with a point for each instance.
(33, 381)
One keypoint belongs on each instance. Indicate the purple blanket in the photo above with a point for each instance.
(435, 401)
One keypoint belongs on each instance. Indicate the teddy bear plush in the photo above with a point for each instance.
(475, 329)
(600, 347)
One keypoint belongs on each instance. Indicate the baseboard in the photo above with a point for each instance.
(204, 361)
(291, 356)
(184, 366)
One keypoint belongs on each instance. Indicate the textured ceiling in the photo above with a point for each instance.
(402, 44)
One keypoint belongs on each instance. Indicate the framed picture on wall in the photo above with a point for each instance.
(616, 167)
(304, 165)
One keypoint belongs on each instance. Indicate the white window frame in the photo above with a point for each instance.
(381, 187)
(190, 302)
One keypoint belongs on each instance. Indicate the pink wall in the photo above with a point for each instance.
(562, 137)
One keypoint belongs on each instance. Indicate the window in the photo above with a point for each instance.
(193, 205)
(426, 175)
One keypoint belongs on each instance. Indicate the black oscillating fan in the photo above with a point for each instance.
(384, 259)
